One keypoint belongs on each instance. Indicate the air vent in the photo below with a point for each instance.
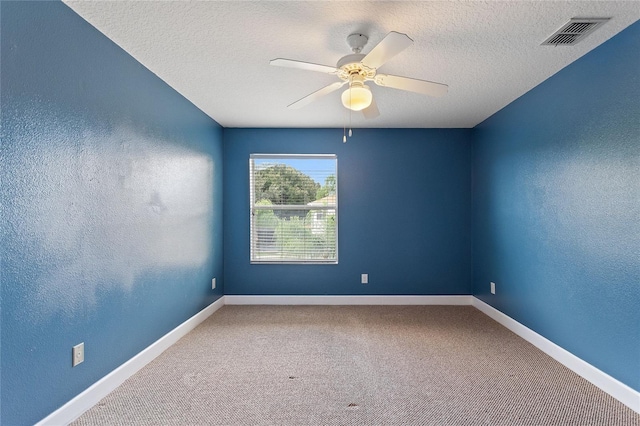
(574, 31)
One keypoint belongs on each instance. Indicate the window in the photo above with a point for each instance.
(294, 208)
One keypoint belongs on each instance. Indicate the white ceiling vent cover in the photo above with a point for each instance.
(574, 31)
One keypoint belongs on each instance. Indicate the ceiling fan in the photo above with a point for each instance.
(355, 69)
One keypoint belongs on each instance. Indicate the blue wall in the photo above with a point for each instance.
(111, 207)
(556, 208)
(404, 212)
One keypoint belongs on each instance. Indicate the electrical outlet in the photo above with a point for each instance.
(493, 288)
(213, 284)
(78, 354)
(364, 278)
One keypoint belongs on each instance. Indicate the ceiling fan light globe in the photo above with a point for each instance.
(357, 98)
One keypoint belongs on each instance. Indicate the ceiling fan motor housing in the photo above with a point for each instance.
(354, 58)
(350, 65)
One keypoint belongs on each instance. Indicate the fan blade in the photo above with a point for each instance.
(308, 66)
(428, 88)
(317, 95)
(389, 47)
(371, 111)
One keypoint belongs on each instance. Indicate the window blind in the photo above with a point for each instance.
(294, 208)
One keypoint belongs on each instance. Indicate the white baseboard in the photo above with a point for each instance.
(615, 388)
(348, 300)
(87, 399)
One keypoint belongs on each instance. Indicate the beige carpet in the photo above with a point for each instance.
(355, 365)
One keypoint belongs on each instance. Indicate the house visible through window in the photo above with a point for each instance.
(294, 208)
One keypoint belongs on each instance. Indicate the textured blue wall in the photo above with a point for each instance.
(556, 208)
(404, 212)
(111, 207)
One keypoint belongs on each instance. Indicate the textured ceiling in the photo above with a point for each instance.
(217, 54)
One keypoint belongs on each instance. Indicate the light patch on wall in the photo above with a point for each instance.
(98, 208)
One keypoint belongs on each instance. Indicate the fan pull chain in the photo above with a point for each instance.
(344, 129)
(350, 104)
(350, 132)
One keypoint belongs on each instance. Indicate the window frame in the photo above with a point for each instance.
(253, 208)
